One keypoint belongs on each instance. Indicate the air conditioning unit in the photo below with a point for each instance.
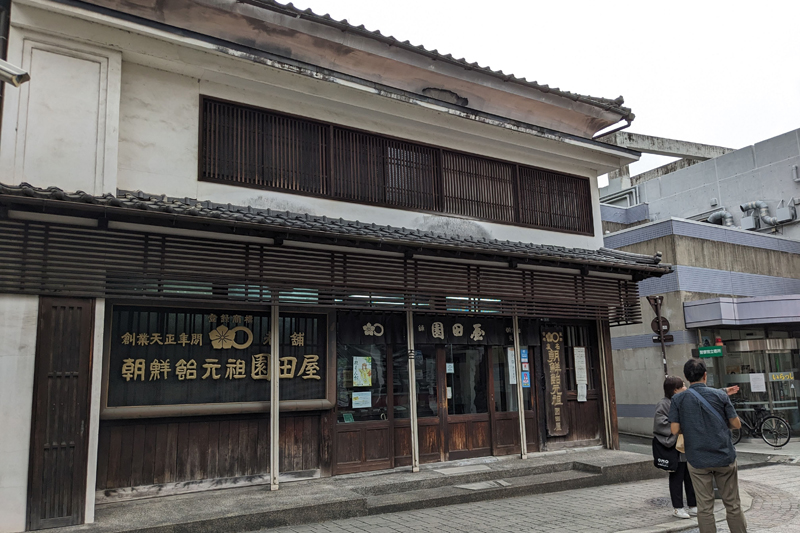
(750, 222)
(785, 214)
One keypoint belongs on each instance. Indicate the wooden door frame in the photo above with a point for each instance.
(40, 408)
(441, 383)
(442, 366)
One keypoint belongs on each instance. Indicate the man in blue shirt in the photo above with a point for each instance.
(704, 416)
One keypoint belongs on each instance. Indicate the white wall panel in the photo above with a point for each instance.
(18, 320)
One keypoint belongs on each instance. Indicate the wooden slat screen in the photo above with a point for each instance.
(554, 200)
(250, 147)
(41, 258)
(253, 147)
(373, 169)
(478, 187)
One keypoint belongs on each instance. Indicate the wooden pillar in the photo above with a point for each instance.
(523, 441)
(412, 391)
(274, 399)
(609, 402)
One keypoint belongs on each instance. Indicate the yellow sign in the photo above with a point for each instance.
(781, 376)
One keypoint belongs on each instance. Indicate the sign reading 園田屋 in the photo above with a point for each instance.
(711, 351)
(167, 356)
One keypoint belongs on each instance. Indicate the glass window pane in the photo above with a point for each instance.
(361, 382)
(505, 394)
(467, 387)
(427, 392)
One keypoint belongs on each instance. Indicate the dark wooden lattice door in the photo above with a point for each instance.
(59, 433)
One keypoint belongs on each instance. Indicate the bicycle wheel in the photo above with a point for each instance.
(736, 435)
(775, 431)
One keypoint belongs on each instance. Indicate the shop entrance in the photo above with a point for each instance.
(460, 407)
(466, 388)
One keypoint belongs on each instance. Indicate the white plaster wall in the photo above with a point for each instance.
(18, 320)
(158, 150)
(61, 127)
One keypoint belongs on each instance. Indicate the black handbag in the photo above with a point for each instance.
(665, 458)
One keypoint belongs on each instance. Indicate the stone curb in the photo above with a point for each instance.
(679, 524)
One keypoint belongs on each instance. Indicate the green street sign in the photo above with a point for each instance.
(712, 351)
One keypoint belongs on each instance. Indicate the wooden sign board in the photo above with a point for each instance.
(555, 396)
(169, 360)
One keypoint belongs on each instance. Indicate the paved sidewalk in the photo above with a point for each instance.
(749, 451)
(776, 500)
(632, 506)
(600, 509)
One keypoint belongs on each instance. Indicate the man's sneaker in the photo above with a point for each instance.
(680, 513)
(692, 511)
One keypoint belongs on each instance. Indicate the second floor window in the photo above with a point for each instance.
(252, 147)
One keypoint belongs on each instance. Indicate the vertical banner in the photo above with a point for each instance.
(555, 395)
(512, 366)
(581, 379)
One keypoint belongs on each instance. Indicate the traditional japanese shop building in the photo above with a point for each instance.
(408, 244)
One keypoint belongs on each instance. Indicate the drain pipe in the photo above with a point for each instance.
(763, 211)
(723, 217)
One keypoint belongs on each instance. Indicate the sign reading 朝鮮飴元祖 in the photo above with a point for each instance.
(555, 396)
(711, 351)
(166, 356)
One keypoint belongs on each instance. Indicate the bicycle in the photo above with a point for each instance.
(773, 429)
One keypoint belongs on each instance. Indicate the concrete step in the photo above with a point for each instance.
(256, 507)
(461, 475)
(497, 488)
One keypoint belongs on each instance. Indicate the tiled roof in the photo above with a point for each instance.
(285, 221)
(606, 104)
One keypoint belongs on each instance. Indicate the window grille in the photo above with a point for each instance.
(242, 145)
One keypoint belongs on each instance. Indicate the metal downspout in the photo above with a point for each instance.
(412, 391)
(523, 440)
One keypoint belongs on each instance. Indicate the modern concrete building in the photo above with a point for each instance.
(729, 226)
(756, 188)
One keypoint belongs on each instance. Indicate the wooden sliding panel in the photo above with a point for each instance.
(430, 441)
(146, 452)
(59, 429)
(362, 446)
(469, 436)
(506, 434)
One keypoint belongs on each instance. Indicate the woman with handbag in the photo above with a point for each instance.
(679, 478)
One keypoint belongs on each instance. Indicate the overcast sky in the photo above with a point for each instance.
(716, 72)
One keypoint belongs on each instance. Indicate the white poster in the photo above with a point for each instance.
(581, 392)
(580, 365)
(450, 368)
(362, 400)
(757, 383)
(362, 371)
(512, 367)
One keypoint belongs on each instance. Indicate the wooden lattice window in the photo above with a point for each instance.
(246, 146)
